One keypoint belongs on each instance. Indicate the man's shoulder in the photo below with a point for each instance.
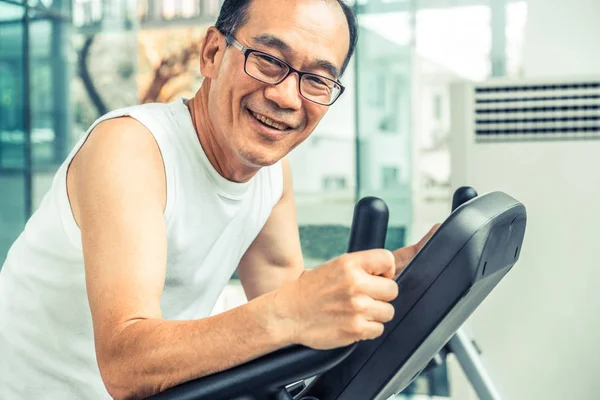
(144, 107)
(142, 113)
(154, 119)
(121, 156)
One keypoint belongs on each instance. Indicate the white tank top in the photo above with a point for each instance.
(46, 337)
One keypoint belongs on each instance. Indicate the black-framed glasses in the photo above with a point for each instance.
(270, 69)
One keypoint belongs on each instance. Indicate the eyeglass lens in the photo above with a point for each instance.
(271, 70)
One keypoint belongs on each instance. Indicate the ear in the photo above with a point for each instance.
(211, 53)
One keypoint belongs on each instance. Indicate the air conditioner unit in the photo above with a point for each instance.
(539, 141)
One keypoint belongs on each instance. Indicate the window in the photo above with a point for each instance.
(438, 108)
(333, 183)
(390, 177)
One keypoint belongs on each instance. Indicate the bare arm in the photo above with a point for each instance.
(118, 193)
(275, 256)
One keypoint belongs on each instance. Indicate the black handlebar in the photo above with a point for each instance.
(369, 225)
(462, 195)
(266, 377)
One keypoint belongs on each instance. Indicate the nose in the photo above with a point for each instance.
(286, 93)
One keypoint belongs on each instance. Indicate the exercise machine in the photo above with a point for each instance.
(446, 281)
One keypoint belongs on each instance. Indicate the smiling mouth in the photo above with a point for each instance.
(269, 122)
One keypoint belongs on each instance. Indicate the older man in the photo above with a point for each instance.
(109, 289)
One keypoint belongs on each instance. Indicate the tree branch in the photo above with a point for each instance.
(86, 78)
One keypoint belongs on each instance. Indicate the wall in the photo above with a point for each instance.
(562, 37)
(539, 329)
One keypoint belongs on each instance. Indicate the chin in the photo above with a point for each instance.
(262, 158)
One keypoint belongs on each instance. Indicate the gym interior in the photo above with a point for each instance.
(498, 95)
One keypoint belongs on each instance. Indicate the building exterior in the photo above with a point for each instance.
(35, 117)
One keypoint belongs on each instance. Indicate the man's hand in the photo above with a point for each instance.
(344, 300)
(405, 254)
(340, 302)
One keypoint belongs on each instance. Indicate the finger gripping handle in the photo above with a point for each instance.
(369, 225)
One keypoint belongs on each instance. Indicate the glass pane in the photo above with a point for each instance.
(324, 176)
(49, 94)
(384, 57)
(12, 209)
(62, 6)
(12, 134)
(387, 66)
(42, 132)
(50, 77)
(40, 36)
(10, 12)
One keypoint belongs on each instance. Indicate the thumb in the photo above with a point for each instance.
(425, 238)
(405, 254)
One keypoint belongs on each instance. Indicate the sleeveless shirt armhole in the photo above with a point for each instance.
(165, 147)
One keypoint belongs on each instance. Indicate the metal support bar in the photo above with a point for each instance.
(28, 198)
(469, 358)
(60, 67)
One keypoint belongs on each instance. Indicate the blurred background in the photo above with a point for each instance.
(495, 94)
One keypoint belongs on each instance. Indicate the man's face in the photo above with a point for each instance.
(308, 35)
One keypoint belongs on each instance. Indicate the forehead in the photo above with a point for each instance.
(313, 29)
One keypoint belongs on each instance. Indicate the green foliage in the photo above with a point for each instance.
(325, 242)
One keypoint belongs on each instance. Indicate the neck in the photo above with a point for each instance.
(222, 157)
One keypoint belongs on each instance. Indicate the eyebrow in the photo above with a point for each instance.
(274, 42)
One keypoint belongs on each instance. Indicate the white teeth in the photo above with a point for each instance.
(268, 121)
